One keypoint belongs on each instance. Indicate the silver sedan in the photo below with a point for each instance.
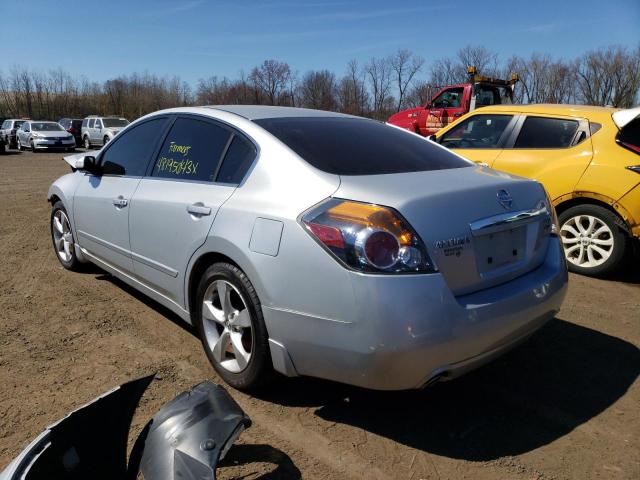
(314, 243)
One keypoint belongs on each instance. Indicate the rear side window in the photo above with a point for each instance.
(237, 161)
(191, 151)
(541, 132)
(478, 131)
(129, 153)
(354, 146)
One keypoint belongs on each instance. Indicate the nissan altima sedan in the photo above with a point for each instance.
(315, 243)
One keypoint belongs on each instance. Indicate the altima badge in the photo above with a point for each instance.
(505, 199)
(452, 246)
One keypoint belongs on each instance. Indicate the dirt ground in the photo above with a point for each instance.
(564, 405)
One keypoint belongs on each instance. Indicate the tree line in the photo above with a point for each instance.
(375, 88)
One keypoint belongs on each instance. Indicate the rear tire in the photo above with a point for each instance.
(594, 239)
(238, 335)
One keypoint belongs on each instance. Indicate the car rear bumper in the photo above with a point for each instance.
(411, 330)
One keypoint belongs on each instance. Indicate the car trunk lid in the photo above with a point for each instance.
(481, 227)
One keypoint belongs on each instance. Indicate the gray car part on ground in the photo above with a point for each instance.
(185, 439)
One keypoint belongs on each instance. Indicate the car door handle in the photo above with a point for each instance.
(199, 209)
(120, 202)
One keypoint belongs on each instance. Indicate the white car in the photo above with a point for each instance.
(39, 135)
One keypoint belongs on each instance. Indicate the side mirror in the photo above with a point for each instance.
(87, 164)
(433, 138)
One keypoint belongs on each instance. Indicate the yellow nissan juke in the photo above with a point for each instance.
(588, 159)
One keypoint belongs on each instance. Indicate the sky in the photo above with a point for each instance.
(198, 38)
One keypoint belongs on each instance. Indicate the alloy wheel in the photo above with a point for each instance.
(227, 326)
(62, 237)
(587, 241)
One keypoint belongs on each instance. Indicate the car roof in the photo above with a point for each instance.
(258, 112)
(585, 111)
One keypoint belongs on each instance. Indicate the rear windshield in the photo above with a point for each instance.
(353, 146)
(115, 122)
(46, 127)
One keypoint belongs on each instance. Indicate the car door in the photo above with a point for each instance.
(553, 150)
(444, 109)
(480, 137)
(175, 205)
(101, 202)
(97, 132)
(23, 133)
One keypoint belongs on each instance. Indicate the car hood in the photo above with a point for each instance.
(405, 115)
(63, 134)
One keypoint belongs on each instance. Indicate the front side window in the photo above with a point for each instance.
(92, 122)
(541, 132)
(85, 122)
(451, 98)
(129, 153)
(191, 151)
(478, 131)
(355, 146)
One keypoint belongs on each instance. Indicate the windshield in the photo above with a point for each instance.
(115, 122)
(354, 146)
(46, 127)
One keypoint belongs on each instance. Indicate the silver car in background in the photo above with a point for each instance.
(315, 243)
(97, 130)
(38, 135)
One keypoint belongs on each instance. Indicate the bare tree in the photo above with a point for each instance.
(378, 72)
(352, 94)
(318, 90)
(609, 76)
(405, 66)
(271, 79)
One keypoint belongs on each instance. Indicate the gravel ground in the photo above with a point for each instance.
(563, 405)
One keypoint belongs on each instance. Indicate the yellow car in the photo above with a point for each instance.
(588, 159)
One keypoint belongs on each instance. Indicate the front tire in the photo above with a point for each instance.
(228, 317)
(62, 237)
(594, 238)
(86, 142)
(105, 140)
(20, 147)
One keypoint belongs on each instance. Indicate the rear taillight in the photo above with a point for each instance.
(634, 168)
(630, 146)
(72, 130)
(369, 238)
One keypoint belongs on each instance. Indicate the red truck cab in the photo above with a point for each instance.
(453, 101)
